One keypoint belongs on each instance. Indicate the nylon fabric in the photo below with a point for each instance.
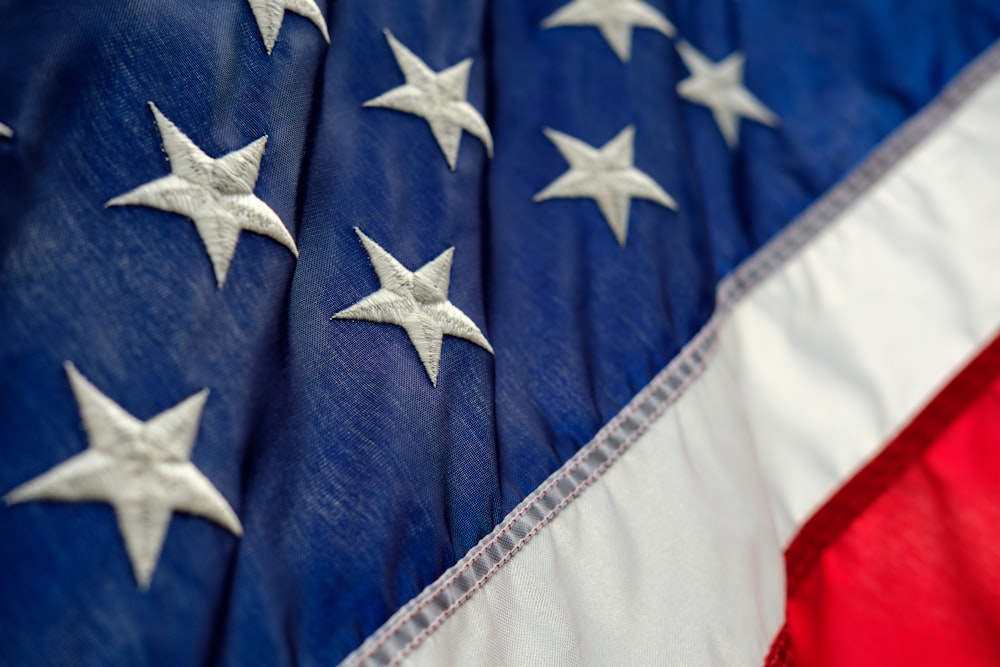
(359, 483)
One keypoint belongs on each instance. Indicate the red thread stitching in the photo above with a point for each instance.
(781, 653)
(585, 454)
(615, 455)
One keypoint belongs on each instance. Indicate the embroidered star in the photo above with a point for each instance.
(438, 98)
(719, 86)
(614, 18)
(5, 131)
(141, 468)
(270, 14)
(605, 175)
(216, 194)
(418, 302)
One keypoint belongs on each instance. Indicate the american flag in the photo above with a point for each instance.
(466, 332)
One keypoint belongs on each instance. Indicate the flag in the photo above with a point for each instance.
(437, 332)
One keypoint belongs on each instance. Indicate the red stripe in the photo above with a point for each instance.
(902, 565)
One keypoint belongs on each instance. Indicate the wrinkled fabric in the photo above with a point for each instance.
(356, 480)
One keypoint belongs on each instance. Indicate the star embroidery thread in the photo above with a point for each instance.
(606, 175)
(418, 302)
(141, 468)
(614, 18)
(5, 131)
(270, 14)
(216, 194)
(719, 86)
(438, 98)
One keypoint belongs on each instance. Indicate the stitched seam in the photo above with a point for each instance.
(611, 429)
(539, 495)
(597, 472)
(750, 273)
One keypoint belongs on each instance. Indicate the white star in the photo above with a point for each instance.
(719, 86)
(5, 131)
(216, 194)
(614, 18)
(605, 175)
(270, 14)
(438, 98)
(142, 469)
(418, 302)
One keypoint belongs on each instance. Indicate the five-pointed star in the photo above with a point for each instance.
(142, 469)
(5, 131)
(438, 98)
(418, 302)
(216, 194)
(614, 18)
(270, 14)
(719, 86)
(605, 175)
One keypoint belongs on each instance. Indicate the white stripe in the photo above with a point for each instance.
(674, 555)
